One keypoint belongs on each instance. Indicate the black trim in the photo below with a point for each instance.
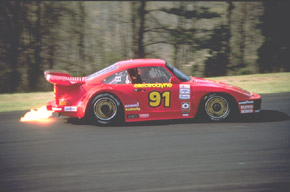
(257, 104)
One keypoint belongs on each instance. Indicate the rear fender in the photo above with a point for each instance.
(85, 101)
(101, 90)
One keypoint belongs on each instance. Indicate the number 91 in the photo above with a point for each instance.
(155, 98)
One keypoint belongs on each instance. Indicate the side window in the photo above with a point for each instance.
(118, 78)
(134, 75)
(153, 75)
(159, 75)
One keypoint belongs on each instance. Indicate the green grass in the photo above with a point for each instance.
(24, 101)
(258, 83)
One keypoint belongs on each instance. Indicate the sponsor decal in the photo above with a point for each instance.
(185, 86)
(133, 109)
(144, 115)
(132, 105)
(132, 116)
(184, 91)
(118, 79)
(185, 105)
(246, 102)
(184, 97)
(247, 108)
(153, 85)
(56, 109)
(65, 78)
(247, 111)
(70, 108)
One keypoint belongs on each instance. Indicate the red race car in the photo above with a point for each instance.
(146, 89)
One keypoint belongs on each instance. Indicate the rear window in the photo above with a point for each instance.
(103, 71)
(118, 78)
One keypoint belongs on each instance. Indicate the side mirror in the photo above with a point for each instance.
(174, 80)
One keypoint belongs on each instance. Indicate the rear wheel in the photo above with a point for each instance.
(106, 109)
(217, 107)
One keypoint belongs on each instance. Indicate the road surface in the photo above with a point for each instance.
(245, 155)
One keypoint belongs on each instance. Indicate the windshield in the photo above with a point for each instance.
(103, 71)
(182, 77)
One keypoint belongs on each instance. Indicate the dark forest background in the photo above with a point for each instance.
(200, 38)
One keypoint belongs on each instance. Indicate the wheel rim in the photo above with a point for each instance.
(217, 107)
(105, 109)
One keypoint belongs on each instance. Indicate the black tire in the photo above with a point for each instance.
(217, 107)
(106, 109)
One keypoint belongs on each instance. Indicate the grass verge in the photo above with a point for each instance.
(24, 101)
(258, 83)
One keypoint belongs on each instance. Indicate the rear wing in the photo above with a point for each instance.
(63, 78)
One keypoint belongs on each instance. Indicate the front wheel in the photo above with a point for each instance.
(106, 109)
(217, 107)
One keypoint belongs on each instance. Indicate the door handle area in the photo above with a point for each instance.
(139, 89)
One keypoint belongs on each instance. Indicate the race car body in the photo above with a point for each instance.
(146, 89)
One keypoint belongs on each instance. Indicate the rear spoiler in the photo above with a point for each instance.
(62, 78)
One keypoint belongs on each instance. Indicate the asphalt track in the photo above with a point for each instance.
(245, 155)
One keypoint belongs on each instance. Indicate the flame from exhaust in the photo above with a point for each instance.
(41, 115)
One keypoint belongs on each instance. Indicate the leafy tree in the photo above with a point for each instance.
(184, 39)
(215, 38)
(138, 20)
(216, 64)
(11, 29)
(275, 51)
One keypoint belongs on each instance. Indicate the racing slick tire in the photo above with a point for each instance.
(218, 107)
(106, 109)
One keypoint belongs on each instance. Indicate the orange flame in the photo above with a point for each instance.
(41, 115)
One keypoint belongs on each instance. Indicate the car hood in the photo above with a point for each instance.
(213, 83)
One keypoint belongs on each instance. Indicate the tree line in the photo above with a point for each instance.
(200, 38)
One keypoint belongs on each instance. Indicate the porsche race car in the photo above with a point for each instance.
(146, 89)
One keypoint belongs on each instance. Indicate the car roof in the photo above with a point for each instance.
(140, 63)
(124, 65)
